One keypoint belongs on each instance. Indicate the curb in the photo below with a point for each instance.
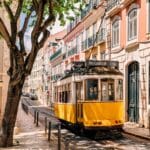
(137, 135)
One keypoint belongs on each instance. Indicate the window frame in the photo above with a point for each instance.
(116, 39)
(107, 82)
(86, 90)
(131, 21)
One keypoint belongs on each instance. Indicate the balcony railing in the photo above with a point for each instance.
(112, 3)
(56, 54)
(84, 12)
(101, 35)
(90, 41)
(72, 51)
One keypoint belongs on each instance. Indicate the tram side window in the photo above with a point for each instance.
(92, 89)
(107, 86)
(79, 90)
(56, 94)
(119, 94)
(69, 93)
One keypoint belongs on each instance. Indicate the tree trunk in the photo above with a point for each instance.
(10, 114)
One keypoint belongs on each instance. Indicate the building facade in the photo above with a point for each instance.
(129, 26)
(116, 30)
(39, 82)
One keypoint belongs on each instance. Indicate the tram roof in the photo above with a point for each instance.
(93, 68)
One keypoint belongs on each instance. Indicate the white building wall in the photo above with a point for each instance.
(142, 56)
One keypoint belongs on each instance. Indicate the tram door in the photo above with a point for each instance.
(79, 103)
(133, 92)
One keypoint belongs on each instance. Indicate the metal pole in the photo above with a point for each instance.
(34, 116)
(45, 125)
(49, 131)
(37, 119)
(59, 136)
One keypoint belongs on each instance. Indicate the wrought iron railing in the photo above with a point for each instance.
(101, 35)
(56, 54)
(112, 3)
(72, 51)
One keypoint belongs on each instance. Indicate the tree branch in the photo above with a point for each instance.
(9, 11)
(51, 17)
(36, 5)
(19, 8)
(46, 34)
(13, 22)
(35, 36)
(4, 32)
(36, 33)
(22, 32)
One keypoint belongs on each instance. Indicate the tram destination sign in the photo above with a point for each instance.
(103, 63)
(95, 63)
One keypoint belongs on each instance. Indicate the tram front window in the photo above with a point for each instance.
(92, 89)
(107, 86)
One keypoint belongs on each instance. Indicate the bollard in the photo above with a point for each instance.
(34, 116)
(49, 131)
(45, 125)
(59, 136)
(37, 119)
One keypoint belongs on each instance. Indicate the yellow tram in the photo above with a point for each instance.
(91, 95)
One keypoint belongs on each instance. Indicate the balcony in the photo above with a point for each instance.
(56, 54)
(113, 6)
(72, 51)
(126, 2)
(101, 36)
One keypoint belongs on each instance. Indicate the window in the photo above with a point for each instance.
(92, 89)
(132, 24)
(77, 43)
(115, 33)
(94, 31)
(87, 36)
(79, 90)
(119, 94)
(102, 56)
(107, 87)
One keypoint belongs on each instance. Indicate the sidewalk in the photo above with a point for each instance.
(27, 136)
(134, 129)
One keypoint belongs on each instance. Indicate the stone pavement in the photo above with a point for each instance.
(134, 129)
(28, 136)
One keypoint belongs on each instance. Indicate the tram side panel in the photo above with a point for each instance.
(65, 112)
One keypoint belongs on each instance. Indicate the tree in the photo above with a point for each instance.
(40, 14)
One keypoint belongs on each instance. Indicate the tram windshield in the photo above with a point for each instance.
(92, 89)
